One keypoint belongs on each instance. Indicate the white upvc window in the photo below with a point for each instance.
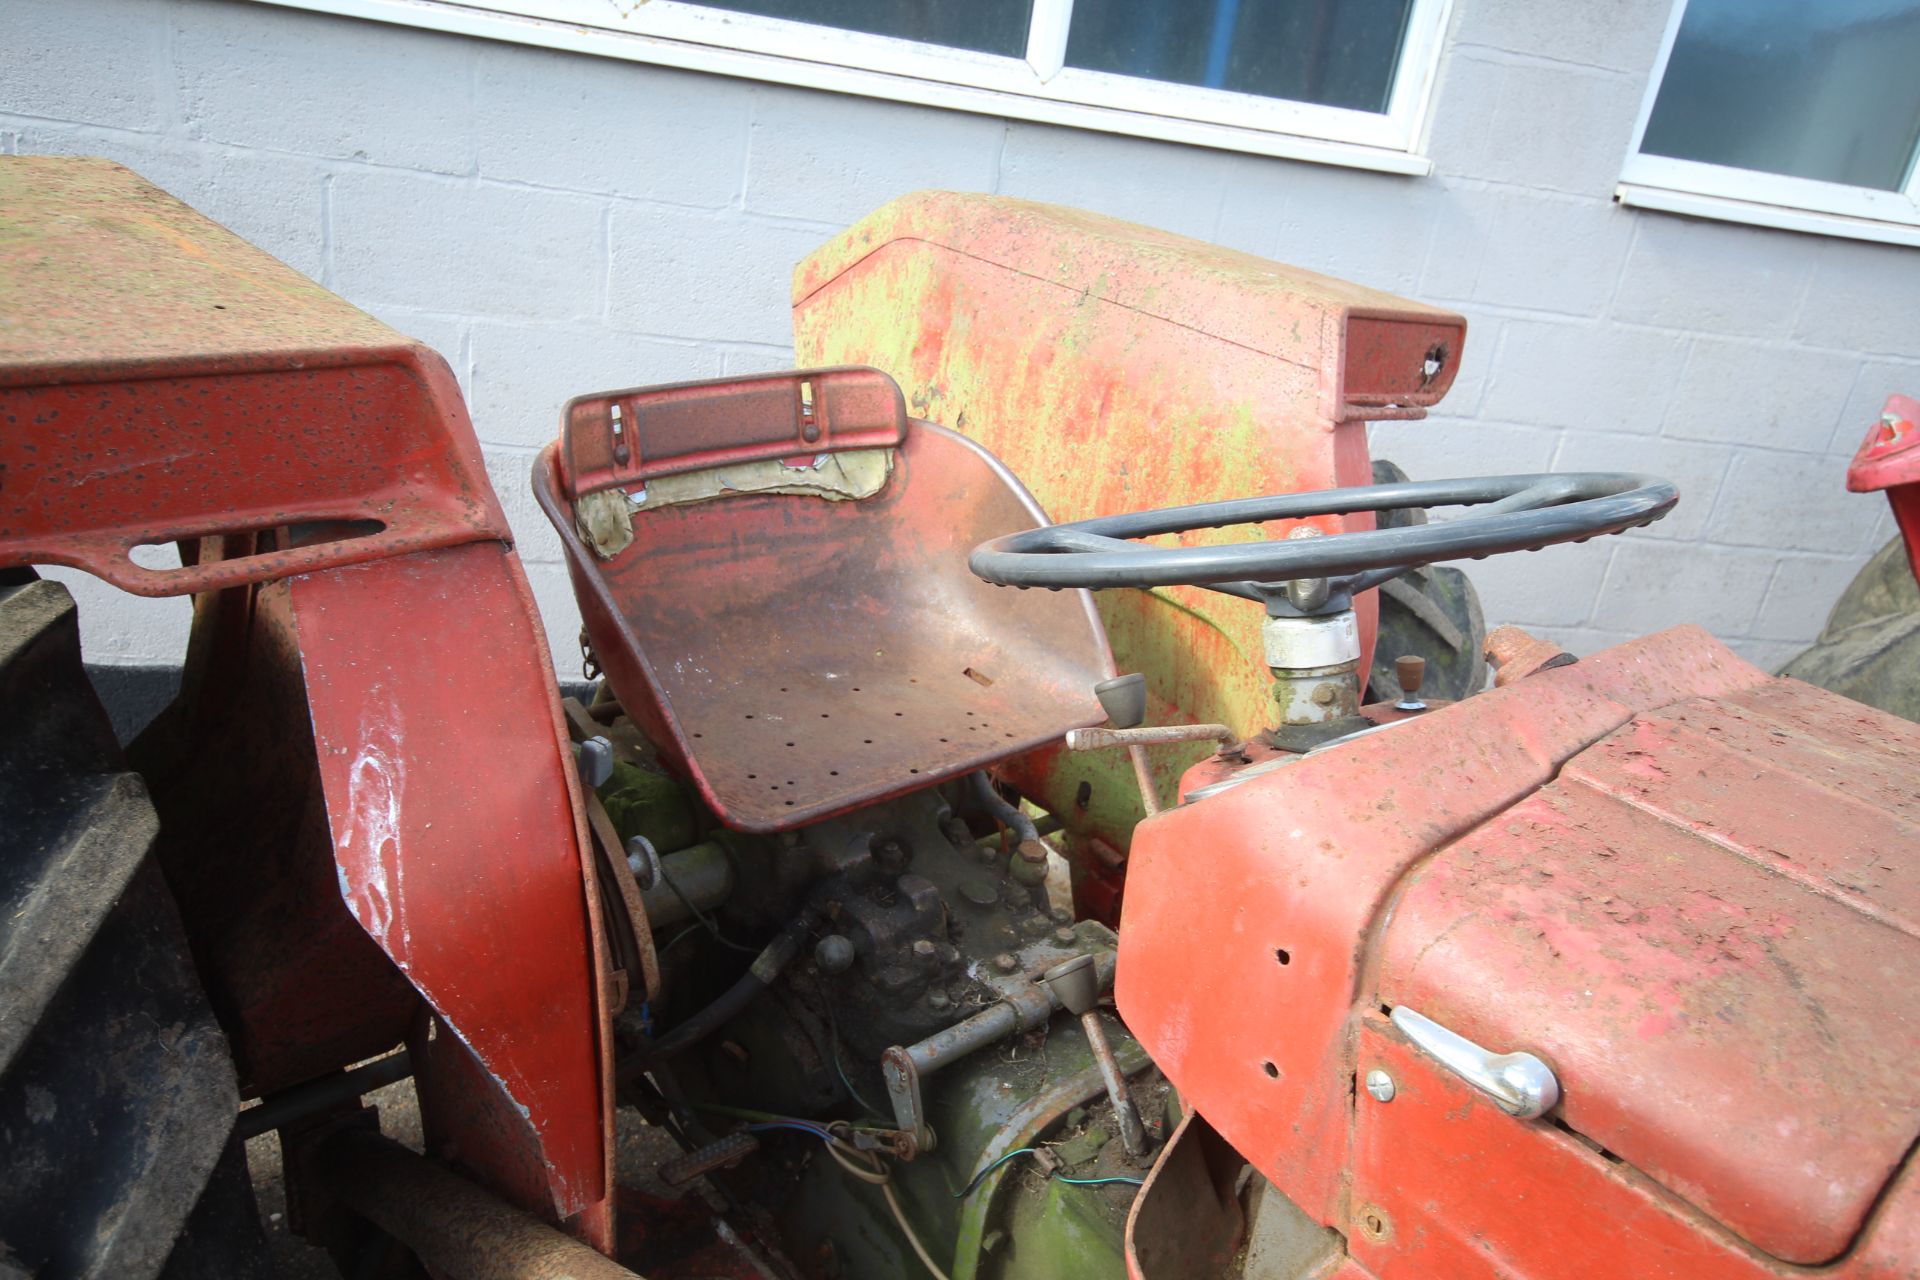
(1802, 114)
(1341, 81)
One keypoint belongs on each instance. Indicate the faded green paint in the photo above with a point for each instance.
(1075, 1065)
(646, 802)
(1112, 368)
(994, 1101)
(1066, 1232)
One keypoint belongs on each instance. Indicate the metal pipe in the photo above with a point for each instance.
(1143, 778)
(1137, 740)
(697, 878)
(1045, 825)
(1021, 1010)
(1075, 985)
(1006, 814)
(1133, 1134)
(303, 1100)
(1151, 736)
(457, 1229)
(1024, 1007)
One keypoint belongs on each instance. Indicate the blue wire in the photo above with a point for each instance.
(1027, 1151)
(798, 1125)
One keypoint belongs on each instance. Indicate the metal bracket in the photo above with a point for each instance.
(903, 1088)
(1021, 1009)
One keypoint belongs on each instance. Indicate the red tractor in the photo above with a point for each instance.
(1607, 971)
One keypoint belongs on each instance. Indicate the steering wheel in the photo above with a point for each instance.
(1315, 575)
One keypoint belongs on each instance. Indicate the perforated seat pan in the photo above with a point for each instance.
(797, 657)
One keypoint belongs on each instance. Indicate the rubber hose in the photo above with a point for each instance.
(766, 966)
(1008, 815)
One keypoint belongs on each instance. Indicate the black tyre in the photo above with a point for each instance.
(1431, 613)
(117, 1092)
(1870, 649)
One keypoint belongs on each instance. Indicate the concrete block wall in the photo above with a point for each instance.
(556, 223)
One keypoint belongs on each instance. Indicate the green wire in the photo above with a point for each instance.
(1027, 1151)
(698, 914)
(973, 1182)
(833, 1033)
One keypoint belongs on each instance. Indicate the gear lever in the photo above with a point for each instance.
(1076, 986)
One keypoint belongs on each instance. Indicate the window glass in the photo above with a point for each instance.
(1822, 89)
(986, 26)
(1337, 53)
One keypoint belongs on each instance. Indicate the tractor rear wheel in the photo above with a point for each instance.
(117, 1092)
(1870, 649)
(1431, 613)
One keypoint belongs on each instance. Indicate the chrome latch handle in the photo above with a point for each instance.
(1519, 1083)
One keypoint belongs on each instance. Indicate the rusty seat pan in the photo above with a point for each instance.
(797, 657)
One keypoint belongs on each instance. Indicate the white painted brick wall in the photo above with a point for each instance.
(556, 224)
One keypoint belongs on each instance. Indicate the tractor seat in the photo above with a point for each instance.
(773, 575)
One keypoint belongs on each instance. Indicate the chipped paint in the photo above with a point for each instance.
(1118, 368)
(376, 787)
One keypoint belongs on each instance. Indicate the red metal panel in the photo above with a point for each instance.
(161, 380)
(798, 657)
(628, 437)
(457, 830)
(1701, 983)
(300, 988)
(176, 382)
(167, 459)
(1448, 1186)
(1187, 1219)
(1245, 938)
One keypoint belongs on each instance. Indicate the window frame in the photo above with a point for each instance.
(1037, 87)
(1704, 190)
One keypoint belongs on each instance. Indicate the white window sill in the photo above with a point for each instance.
(688, 55)
(1757, 214)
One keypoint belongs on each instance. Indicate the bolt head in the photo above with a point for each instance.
(937, 999)
(1005, 962)
(833, 953)
(1380, 1085)
(1063, 934)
